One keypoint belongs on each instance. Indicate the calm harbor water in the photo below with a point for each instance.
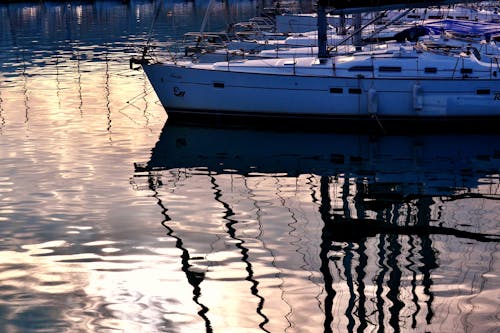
(114, 220)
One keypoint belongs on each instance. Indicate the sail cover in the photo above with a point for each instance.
(466, 28)
(351, 6)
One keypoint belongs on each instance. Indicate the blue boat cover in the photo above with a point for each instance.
(471, 28)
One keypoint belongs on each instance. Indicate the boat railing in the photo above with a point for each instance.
(152, 53)
(195, 44)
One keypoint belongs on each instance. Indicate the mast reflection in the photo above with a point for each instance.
(240, 244)
(2, 118)
(380, 200)
(193, 277)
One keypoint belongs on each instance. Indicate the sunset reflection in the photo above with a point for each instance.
(88, 282)
(112, 219)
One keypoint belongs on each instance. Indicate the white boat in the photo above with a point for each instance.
(410, 86)
(300, 23)
(458, 12)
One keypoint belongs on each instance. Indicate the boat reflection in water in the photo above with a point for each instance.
(309, 232)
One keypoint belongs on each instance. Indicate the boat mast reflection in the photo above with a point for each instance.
(240, 244)
(21, 58)
(325, 212)
(2, 118)
(377, 249)
(194, 278)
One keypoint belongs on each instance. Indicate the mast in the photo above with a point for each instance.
(205, 18)
(357, 27)
(322, 37)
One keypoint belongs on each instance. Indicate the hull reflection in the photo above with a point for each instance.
(332, 232)
(395, 167)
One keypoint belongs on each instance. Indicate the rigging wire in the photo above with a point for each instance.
(157, 14)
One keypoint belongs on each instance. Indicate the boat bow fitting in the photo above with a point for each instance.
(139, 61)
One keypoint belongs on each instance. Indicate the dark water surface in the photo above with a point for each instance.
(112, 220)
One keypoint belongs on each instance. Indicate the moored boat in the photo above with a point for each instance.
(409, 86)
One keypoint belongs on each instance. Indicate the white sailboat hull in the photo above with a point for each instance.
(184, 90)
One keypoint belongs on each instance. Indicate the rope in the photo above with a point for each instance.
(379, 123)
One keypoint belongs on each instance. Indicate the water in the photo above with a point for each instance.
(113, 220)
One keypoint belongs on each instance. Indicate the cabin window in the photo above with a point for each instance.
(361, 69)
(466, 70)
(482, 92)
(355, 91)
(336, 90)
(392, 69)
(432, 70)
(435, 17)
(218, 85)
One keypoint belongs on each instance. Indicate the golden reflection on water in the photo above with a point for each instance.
(257, 268)
(88, 282)
(83, 247)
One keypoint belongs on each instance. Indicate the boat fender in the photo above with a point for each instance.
(372, 101)
(418, 98)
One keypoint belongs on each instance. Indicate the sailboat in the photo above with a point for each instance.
(401, 88)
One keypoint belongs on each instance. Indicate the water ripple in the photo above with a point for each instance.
(107, 224)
